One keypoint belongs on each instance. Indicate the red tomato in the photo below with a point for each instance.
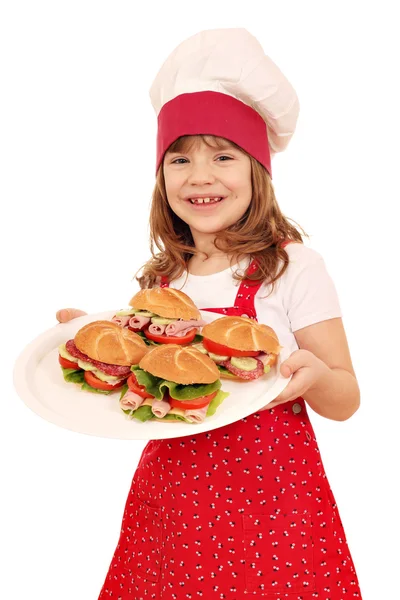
(225, 350)
(140, 390)
(189, 404)
(167, 339)
(67, 364)
(100, 385)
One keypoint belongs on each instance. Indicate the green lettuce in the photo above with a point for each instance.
(124, 389)
(89, 388)
(74, 376)
(169, 417)
(146, 340)
(156, 387)
(143, 413)
(225, 372)
(215, 402)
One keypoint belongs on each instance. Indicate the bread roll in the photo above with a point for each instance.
(107, 342)
(242, 333)
(166, 302)
(181, 364)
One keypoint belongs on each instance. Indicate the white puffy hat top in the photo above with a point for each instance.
(207, 86)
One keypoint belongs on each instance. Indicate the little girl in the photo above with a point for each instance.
(244, 511)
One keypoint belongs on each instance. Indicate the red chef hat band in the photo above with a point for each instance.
(213, 113)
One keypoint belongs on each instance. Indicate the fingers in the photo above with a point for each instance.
(66, 314)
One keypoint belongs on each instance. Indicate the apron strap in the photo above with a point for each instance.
(252, 267)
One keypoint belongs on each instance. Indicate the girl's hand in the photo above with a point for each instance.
(66, 314)
(307, 370)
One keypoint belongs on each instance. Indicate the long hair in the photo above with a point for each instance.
(258, 234)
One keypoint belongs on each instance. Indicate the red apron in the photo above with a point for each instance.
(244, 511)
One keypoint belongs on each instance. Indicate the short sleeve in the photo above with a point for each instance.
(309, 293)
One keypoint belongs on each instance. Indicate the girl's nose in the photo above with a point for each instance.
(200, 175)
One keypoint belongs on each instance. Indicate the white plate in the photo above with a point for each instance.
(40, 384)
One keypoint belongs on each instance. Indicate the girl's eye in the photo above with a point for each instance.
(179, 161)
(224, 158)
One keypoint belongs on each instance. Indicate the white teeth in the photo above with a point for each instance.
(204, 200)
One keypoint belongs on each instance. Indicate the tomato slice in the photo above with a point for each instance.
(189, 404)
(225, 350)
(140, 390)
(100, 385)
(67, 364)
(167, 339)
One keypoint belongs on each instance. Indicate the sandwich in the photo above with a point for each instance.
(242, 349)
(162, 316)
(100, 356)
(173, 383)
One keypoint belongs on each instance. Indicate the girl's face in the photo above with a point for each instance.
(209, 188)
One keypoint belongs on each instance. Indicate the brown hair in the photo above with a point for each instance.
(257, 234)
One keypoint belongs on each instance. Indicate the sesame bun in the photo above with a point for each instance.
(242, 333)
(109, 343)
(181, 364)
(166, 302)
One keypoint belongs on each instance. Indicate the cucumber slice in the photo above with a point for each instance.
(144, 313)
(200, 348)
(65, 354)
(217, 357)
(86, 366)
(245, 363)
(161, 321)
(125, 313)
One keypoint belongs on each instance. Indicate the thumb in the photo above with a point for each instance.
(297, 360)
(66, 314)
(286, 369)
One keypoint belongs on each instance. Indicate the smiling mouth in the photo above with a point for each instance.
(205, 200)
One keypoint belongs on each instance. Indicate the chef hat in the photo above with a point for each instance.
(220, 82)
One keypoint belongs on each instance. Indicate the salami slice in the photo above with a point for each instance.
(115, 370)
(255, 374)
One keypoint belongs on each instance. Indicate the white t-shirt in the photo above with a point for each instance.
(305, 294)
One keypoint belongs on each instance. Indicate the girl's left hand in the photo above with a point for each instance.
(307, 370)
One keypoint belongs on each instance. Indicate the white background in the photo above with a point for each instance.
(77, 162)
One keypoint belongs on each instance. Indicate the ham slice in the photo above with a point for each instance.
(196, 415)
(160, 408)
(156, 329)
(137, 322)
(130, 401)
(121, 321)
(181, 328)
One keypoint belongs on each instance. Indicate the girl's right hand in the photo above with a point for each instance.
(66, 314)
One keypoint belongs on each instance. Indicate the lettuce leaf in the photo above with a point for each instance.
(143, 413)
(156, 387)
(124, 389)
(169, 417)
(189, 392)
(146, 340)
(225, 371)
(150, 382)
(215, 402)
(73, 375)
(88, 388)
